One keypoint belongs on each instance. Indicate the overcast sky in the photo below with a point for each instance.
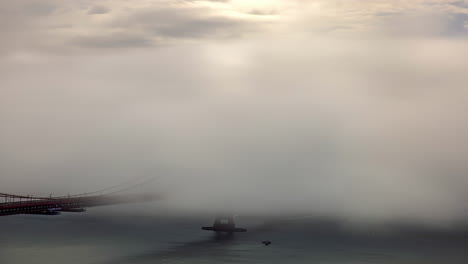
(355, 109)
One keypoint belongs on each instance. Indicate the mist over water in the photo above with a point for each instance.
(277, 132)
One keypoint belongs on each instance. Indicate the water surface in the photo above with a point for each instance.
(96, 239)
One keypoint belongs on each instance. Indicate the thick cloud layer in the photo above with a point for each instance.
(350, 111)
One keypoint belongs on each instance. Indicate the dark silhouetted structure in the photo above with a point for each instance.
(16, 204)
(224, 224)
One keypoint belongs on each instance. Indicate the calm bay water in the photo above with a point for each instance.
(96, 239)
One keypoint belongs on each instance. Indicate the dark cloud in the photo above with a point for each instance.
(436, 24)
(462, 4)
(111, 41)
(98, 10)
(196, 28)
(35, 26)
(186, 23)
(384, 14)
(260, 12)
(156, 26)
(457, 25)
(40, 8)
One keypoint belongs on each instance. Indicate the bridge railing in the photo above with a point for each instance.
(6, 198)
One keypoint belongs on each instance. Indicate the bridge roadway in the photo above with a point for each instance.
(52, 206)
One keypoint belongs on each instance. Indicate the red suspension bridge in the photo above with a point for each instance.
(11, 204)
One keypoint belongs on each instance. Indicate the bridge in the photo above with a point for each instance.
(19, 204)
(12, 204)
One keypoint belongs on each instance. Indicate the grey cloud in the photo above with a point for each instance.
(112, 41)
(98, 10)
(40, 8)
(260, 12)
(456, 25)
(186, 23)
(35, 26)
(462, 4)
(436, 24)
(156, 26)
(385, 14)
(195, 28)
(30, 22)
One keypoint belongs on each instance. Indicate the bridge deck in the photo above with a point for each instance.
(63, 204)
